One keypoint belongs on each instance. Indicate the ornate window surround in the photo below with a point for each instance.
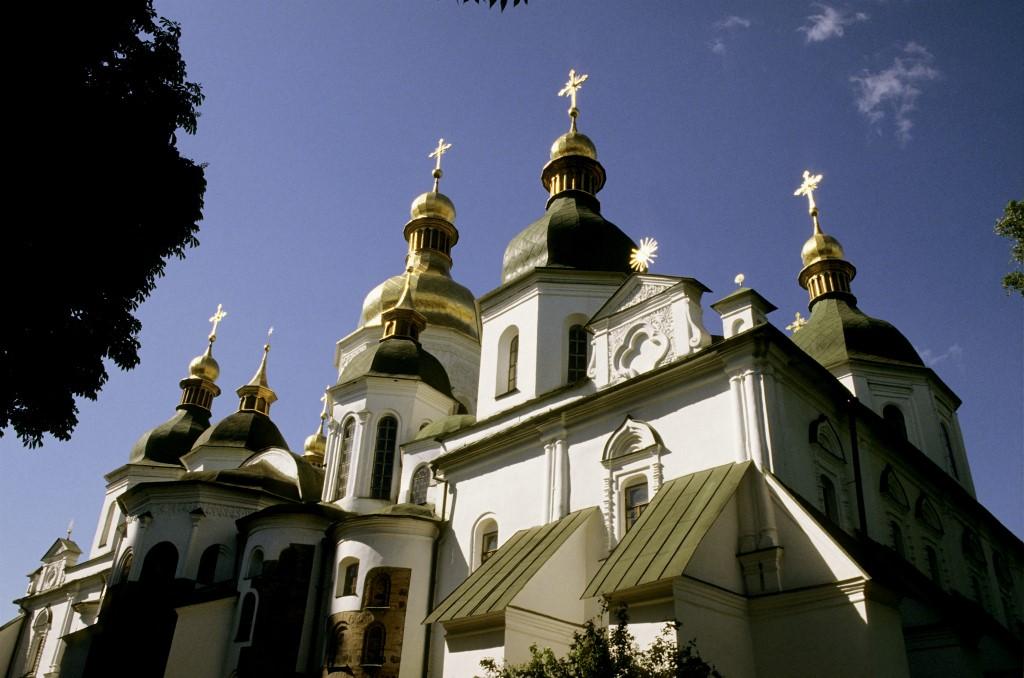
(633, 452)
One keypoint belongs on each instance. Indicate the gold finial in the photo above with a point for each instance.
(798, 322)
(739, 279)
(215, 320)
(325, 399)
(441, 149)
(260, 378)
(640, 258)
(569, 90)
(808, 187)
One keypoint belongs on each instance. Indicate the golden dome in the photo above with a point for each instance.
(573, 143)
(821, 246)
(315, 445)
(444, 302)
(204, 366)
(433, 204)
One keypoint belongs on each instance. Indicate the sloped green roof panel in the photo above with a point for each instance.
(494, 584)
(667, 534)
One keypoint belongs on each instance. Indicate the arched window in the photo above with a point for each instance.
(933, 564)
(107, 522)
(373, 645)
(348, 432)
(578, 344)
(1003, 574)
(513, 364)
(972, 548)
(207, 573)
(947, 441)
(894, 417)
(160, 564)
(420, 483)
(636, 500)
(255, 564)
(379, 590)
(485, 541)
(384, 458)
(348, 575)
(246, 618)
(40, 629)
(125, 568)
(891, 488)
(896, 538)
(928, 515)
(828, 498)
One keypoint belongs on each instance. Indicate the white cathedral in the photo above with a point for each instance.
(493, 472)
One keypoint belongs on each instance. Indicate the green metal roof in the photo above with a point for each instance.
(667, 534)
(494, 584)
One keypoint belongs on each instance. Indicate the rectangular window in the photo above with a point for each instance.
(488, 546)
(636, 502)
(351, 575)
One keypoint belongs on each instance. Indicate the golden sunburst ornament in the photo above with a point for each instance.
(641, 257)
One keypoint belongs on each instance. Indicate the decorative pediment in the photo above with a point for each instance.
(825, 438)
(62, 549)
(892, 488)
(649, 322)
(632, 437)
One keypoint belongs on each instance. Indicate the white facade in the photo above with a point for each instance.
(695, 467)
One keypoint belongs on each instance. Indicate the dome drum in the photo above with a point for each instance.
(432, 234)
(828, 278)
(572, 173)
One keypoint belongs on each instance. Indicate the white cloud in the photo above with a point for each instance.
(931, 359)
(831, 23)
(731, 22)
(896, 89)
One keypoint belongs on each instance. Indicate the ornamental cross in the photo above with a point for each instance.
(808, 187)
(441, 149)
(573, 86)
(798, 322)
(215, 319)
(325, 399)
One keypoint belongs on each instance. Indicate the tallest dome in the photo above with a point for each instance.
(571, 233)
(431, 235)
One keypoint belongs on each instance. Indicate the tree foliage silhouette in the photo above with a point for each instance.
(101, 199)
(611, 653)
(1011, 225)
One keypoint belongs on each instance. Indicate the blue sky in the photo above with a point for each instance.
(319, 116)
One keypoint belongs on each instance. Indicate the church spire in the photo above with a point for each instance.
(826, 273)
(257, 396)
(198, 388)
(316, 443)
(573, 165)
(431, 231)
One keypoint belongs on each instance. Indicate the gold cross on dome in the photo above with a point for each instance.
(215, 319)
(808, 187)
(798, 322)
(573, 86)
(325, 399)
(441, 149)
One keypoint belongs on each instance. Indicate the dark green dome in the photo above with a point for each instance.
(838, 331)
(253, 431)
(399, 357)
(263, 476)
(166, 443)
(572, 233)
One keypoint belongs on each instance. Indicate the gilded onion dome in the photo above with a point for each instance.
(837, 331)
(315, 446)
(431, 235)
(571, 233)
(167, 442)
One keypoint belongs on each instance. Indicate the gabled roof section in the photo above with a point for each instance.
(659, 546)
(61, 548)
(491, 588)
(638, 288)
